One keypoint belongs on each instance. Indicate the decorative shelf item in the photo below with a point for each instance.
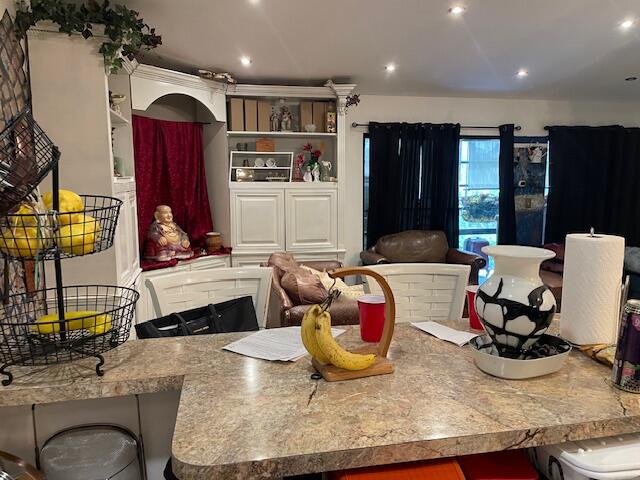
(26, 157)
(260, 166)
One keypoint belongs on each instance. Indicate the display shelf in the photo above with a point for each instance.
(252, 152)
(123, 179)
(117, 120)
(237, 133)
(261, 168)
(260, 174)
(293, 185)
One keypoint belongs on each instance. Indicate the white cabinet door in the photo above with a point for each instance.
(257, 221)
(126, 239)
(311, 220)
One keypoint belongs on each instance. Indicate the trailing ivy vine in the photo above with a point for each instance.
(125, 33)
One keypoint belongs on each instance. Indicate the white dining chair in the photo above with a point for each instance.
(185, 290)
(424, 291)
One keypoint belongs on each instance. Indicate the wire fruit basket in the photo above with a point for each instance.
(27, 155)
(97, 318)
(30, 234)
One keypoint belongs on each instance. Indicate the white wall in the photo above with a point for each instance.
(532, 115)
(216, 158)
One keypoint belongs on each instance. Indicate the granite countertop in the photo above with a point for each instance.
(245, 418)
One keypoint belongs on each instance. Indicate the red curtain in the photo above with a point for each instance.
(170, 171)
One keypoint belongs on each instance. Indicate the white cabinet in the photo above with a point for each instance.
(311, 220)
(257, 220)
(126, 239)
(300, 218)
(70, 92)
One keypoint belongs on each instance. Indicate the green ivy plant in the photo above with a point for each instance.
(125, 33)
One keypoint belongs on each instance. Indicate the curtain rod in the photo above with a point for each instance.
(468, 127)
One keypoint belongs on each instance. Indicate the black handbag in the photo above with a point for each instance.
(237, 315)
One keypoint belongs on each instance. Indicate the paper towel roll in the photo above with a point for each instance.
(591, 287)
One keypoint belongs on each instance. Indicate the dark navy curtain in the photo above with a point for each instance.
(413, 179)
(594, 181)
(507, 204)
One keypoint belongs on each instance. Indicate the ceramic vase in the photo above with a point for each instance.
(513, 304)
(213, 242)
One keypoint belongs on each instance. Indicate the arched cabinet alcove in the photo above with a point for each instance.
(166, 95)
(148, 84)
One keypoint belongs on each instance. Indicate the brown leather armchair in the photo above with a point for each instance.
(283, 313)
(421, 246)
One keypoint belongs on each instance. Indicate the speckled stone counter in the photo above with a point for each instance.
(245, 418)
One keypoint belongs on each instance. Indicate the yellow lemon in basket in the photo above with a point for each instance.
(78, 238)
(21, 242)
(90, 320)
(25, 216)
(88, 223)
(7, 245)
(71, 206)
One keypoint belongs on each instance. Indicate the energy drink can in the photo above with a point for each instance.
(626, 366)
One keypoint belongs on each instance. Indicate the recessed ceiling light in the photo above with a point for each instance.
(522, 73)
(631, 79)
(246, 61)
(390, 67)
(457, 10)
(627, 24)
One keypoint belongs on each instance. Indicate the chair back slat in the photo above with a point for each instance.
(186, 290)
(424, 291)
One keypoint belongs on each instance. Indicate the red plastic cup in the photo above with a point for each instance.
(371, 308)
(474, 321)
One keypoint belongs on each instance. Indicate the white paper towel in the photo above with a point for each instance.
(591, 288)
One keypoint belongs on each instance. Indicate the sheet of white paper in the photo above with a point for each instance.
(445, 333)
(283, 344)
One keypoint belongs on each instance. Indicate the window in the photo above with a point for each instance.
(478, 191)
(365, 187)
(478, 188)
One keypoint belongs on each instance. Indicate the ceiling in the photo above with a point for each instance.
(573, 49)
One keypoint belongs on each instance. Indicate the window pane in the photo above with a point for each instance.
(478, 193)
(365, 186)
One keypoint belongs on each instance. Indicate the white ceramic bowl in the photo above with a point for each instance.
(487, 359)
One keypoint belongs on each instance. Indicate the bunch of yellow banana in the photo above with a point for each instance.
(95, 322)
(319, 342)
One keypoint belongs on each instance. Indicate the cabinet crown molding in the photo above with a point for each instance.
(158, 74)
(247, 90)
(341, 89)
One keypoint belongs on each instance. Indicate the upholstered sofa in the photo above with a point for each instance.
(283, 312)
(421, 246)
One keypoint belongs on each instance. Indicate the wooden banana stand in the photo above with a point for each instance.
(383, 365)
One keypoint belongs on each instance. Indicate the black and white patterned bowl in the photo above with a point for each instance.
(545, 357)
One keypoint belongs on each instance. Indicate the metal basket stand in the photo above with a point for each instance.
(29, 333)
